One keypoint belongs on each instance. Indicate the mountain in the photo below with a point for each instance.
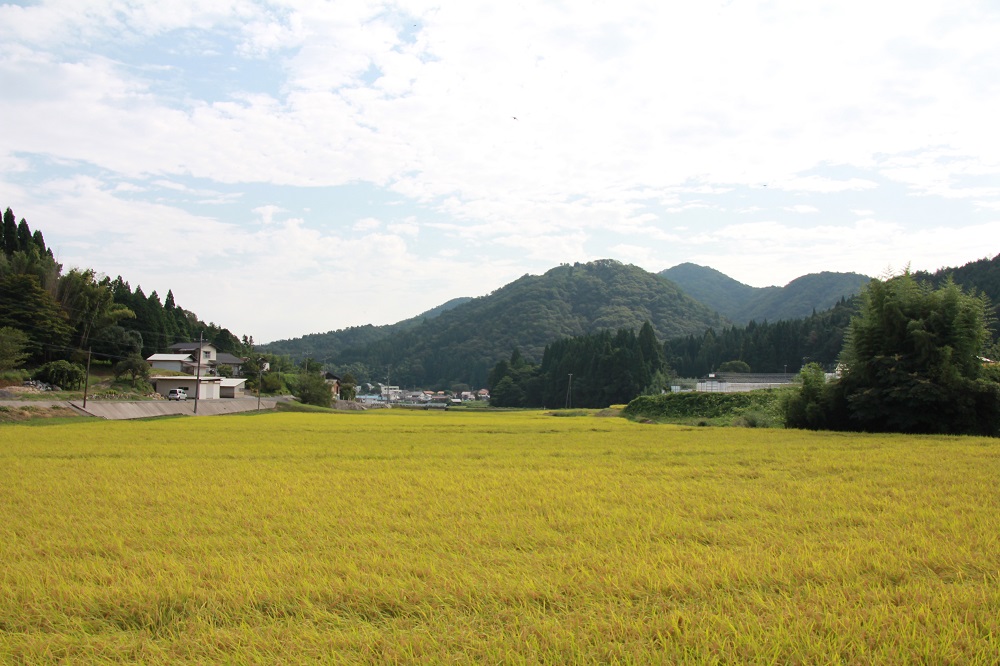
(982, 275)
(331, 343)
(713, 288)
(463, 343)
(743, 303)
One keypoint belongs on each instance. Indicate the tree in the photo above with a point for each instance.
(23, 236)
(348, 387)
(25, 305)
(734, 366)
(135, 366)
(809, 407)
(506, 394)
(62, 374)
(90, 305)
(911, 363)
(9, 236)
(312, 389)
(13, 343)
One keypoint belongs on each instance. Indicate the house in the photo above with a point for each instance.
(211, 358)
(176, 362)
(333, 381)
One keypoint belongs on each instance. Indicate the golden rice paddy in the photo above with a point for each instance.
(407, 537)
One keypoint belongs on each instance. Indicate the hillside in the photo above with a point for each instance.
(982, 275)
(463, 343)
(743, 303)
(332, 343)
(712, 287)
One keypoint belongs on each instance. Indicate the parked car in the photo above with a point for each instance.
(177, 394)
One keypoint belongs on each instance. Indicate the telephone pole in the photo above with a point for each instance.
(197, 381)
(569, 392)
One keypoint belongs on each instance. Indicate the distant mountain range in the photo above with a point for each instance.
(742, 303)
(462, 343)
(459, 341)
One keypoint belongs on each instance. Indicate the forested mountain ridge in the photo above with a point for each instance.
(982, 275)
(332, 343)
(783, 344)
(742, 303)
(712, 287)
(462, 344)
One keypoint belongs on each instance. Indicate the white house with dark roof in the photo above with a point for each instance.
(211, 358)
(176, 362)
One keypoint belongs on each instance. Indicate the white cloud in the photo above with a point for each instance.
(367, 224)
(515, 137)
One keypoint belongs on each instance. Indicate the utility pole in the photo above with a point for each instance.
(86, 382)
(569, 392)
(197, 381)
(260, 368)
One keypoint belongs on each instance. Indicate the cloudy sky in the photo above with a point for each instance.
(297, 166)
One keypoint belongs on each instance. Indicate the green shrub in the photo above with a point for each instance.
(754, 409)
(63, 374)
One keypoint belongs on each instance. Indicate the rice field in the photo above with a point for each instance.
(414, 537)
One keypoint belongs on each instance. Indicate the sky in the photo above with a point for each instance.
(290, 167)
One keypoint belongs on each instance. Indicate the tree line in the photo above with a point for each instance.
(594, 370)
(781, 346)
(47, 315)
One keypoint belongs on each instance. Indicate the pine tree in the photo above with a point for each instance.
(24, 243)
(9, 237)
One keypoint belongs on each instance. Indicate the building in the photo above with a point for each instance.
(209, 387)
(211, 358)
(737, 382)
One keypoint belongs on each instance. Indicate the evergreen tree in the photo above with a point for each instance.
(24, 243)
(9, 236)
(26, 306)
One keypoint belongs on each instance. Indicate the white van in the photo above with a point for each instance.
(177, 394)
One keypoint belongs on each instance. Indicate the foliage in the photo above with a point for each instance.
(751, 408)
(13, 343)
(584, 371)
(312, 389)
(810, 406)
(26, 306)
(134, 366)
(348, 387)
(66, 314)
(90, 305)
(499, 538)
(766, 347)
(734, 366)
(911, 364)
(982, 275)
(271, 383)
(63, 374)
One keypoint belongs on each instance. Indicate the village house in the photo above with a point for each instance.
(211, 358)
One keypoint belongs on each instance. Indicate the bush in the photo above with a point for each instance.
(63, 374)
(312, 389)
(271, 383)
(759, 408)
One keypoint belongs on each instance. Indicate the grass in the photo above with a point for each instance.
(32, 415)
(425, 537)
